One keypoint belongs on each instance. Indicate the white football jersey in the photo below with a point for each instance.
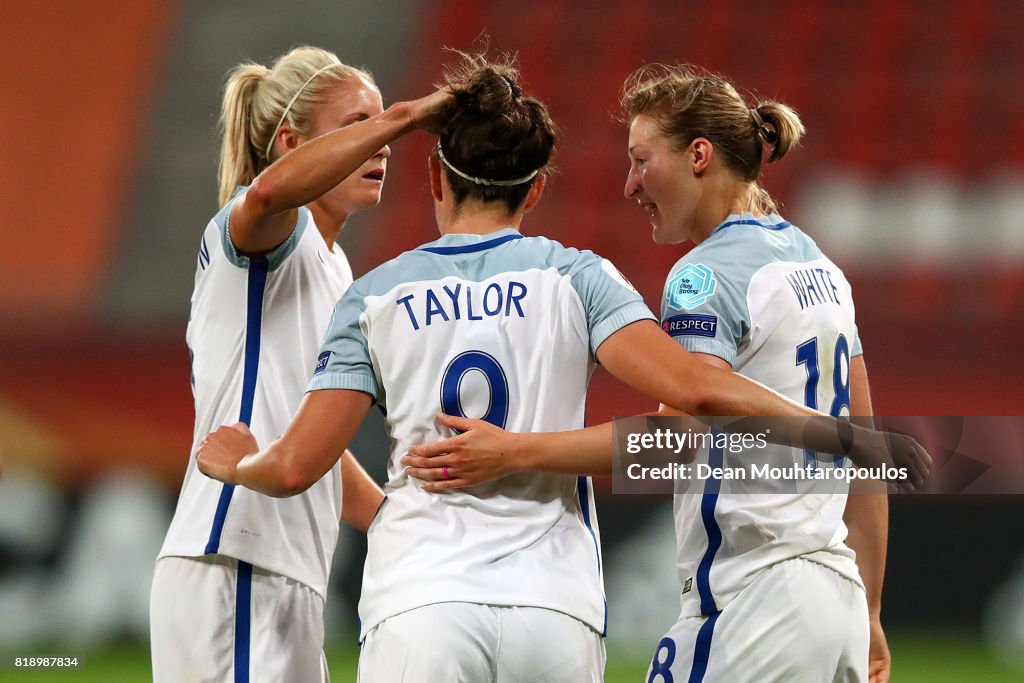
(759, 294)
(496, 326)
(255, 328)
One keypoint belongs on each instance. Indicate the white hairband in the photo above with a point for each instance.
(270, 144)
(484, 181)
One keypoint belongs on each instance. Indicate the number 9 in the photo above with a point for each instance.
(451, 381)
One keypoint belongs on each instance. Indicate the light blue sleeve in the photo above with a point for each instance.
(274, 258)
(344, 360)
(704, 305)
(609, 301)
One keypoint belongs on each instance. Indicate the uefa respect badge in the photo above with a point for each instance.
(691, 285)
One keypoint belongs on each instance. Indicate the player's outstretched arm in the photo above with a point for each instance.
(680, 379)
(321, 430)
(670, 374)
(265, 215)
(867, 520)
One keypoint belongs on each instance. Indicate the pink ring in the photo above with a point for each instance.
(444, 472)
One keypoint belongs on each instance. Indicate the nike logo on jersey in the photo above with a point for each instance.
(813, 286)
(464, 302)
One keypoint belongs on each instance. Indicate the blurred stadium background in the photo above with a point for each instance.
(911, 177)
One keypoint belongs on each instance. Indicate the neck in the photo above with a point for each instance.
(732, 197)
(328, 224)
(477, 220)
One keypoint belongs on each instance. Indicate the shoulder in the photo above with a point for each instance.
(221, 222)
(567, 260)
(793, 245)
(742, 242)
(414, 265)
(586, 270)
(428, 262)
(730, 258)
(804, 245)
(536, 251)
(736, 251)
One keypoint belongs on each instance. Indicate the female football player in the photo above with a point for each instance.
(240, 581)
(772, 578)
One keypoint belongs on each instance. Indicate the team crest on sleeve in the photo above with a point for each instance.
(608, 267)
(691, 286)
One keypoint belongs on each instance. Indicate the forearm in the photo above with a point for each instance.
(361, 497)
(867, 509)
(679, 379)
(271, 471)
(867, 521)
(732, 394)
(309, 448)
(582, 451)
(312, 169)
(589, 451)
(687, 382)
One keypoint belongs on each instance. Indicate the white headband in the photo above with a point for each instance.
(270, 144)
(484, 181)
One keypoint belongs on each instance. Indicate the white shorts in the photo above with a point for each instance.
(798, 622)
(462, 642)
(214, 618)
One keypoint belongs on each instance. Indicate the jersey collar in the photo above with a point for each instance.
(461, 243)
(772, 221)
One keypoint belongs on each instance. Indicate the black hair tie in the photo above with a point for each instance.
(762, 129)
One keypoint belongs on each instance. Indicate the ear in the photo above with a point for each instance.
(534, 195)
(434, 170)
(701, 150)
(285, 140)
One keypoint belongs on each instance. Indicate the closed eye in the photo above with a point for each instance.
(353, 118)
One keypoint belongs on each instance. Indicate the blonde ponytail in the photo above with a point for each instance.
(239, 160)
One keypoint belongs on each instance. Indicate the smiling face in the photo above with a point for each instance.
(351, 101)
(662, 181)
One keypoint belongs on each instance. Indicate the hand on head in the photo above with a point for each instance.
(425, 113)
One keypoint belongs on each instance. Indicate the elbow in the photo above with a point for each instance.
(260, 195)
(293, 482)
(292, 477)
(693, 400)
(706, 403)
